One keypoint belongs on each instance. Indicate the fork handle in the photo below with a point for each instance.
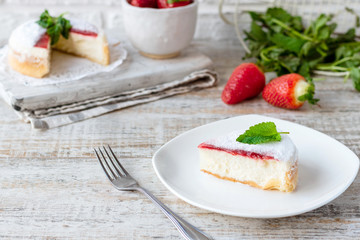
(187, 230)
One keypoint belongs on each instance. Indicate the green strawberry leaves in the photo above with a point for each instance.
(261, 133)
(55, 26)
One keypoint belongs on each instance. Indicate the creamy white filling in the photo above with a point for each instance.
(82, 45)
(243, 168)
(33, 54)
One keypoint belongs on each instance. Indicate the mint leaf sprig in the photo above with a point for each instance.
(281, 43)
(55, 26)
(261, 133)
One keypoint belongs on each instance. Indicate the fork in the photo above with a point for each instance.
(123, 181)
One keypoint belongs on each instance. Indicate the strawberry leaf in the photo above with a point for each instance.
(261, 133)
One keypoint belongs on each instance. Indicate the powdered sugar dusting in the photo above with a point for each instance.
(284, 150)
(26, 35)
(82, 25)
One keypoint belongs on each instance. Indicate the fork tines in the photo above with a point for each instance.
(112, 166)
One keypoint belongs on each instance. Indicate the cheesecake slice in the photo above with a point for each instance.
(30, 50)
(269, 166)
(85, 40)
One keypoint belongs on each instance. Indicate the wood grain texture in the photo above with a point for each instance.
(51, 186)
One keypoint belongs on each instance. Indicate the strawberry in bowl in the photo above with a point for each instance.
(173, 3)
(144, 3)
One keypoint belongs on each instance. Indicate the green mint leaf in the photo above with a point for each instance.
(306, 48)
(297, 23)
(319, 23)
(288, 43)
(255, 16)
(279, 14)
(304, 69)
(281, 44)
(261, 139)
(324, 33)
(55, 26)
(42, 24)
(257, 33)
(349, 36)
(342, 52)
(66, 26)
(290, 62)
(355, 76)
(261, 133)
(54, 33)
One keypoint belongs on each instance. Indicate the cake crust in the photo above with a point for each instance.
(273, 184)
(36, 68)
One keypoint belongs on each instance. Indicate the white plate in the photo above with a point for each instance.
(326, 170)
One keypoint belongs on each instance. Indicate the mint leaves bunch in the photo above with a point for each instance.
(282, 44)
(261, 133)
(55, 26)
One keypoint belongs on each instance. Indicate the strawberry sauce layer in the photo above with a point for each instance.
(43, 41)
(237, 152)
(82, 32)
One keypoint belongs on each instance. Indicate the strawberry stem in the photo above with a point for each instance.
(284, 132)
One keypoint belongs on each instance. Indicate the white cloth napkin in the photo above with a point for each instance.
(79, 111)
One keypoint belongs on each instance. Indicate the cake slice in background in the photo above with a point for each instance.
(29, 50)
(85, 40)
(30, 47)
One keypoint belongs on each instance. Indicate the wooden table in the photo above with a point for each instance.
(52, 187)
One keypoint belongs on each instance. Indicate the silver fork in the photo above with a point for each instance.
(122, 181)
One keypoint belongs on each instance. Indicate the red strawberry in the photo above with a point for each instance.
(247, 81)
(289, 91)
(173, 3)
(144, 3)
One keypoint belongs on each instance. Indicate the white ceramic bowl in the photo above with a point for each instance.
(160, 33)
